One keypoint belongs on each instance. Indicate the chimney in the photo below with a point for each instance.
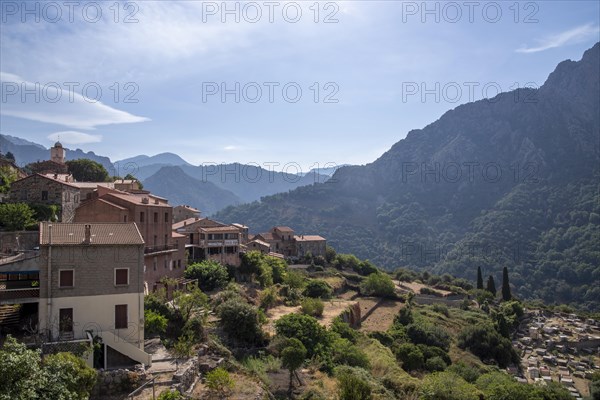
(88, 234)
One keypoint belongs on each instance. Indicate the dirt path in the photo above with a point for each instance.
(382, 317)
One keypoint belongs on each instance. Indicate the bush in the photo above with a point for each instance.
(240, 321)
(486, 343)
(16, 216)
(344, 330)
(410, 355)
(194, 328)
(218, 380)
(378, 284)
(318, 289)
(312, 307)
(435, 364)
(447, 386)
(294, 279)
(170, 395)
(467, 372)
(442, 309)
(431, 335)
(344, 352)
(268, 298)
(154, 323)
(353, 387)
(210, 274)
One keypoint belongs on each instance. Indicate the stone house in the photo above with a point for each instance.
(183, 212)
(310, 244)
(47, 190)
(210, 240)
(92, 280)
(283, 240)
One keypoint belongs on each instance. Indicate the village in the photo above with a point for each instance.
(85, 274)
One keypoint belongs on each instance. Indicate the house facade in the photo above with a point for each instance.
(284, 241)
(210, 240)
(47, 190)
(183, 212)
(92, 280)
(164, 253)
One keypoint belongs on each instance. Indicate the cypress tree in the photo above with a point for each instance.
(479, 278)
(506, 295)
(491, 285)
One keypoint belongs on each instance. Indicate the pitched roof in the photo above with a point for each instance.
(36, 175)
(101, 234)
(283, 228)
(93, 185)
(266, 236)
(258, 241)
(177, 235)
(239, 225)
(219, 229)
(308, 238)
(137, 198)
(185, 222)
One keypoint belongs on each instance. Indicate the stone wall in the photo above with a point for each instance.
(118, 381)
(23, 240)
(352, 315)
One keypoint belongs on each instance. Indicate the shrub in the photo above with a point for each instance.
(467, 372)
(210, 274)
(447, 386)
(378, 284)
(294, 279)
(268, 298)
(170, 395)
(279, 268)
(344, 330)
(154, 323)
(431, 335)
(293, 356)
(485, 342)
(353, 387)
(435, 364)
(404, 316)
(411, 356)
(344, 352)
(194, 328)
(184, 346)
(218, 380)
(240, 321)
(318, 289)
(441, 309)
(312, 307)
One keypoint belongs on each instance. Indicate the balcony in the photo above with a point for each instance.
(168, 248)
(219, 243)
(19, 296)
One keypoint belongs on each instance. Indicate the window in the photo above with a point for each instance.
(65, 320)
(66, 278)
(124, 218)
(166, 263)
(121, 276)
(142, 216)
(166, 218)
(23, 194)
(121, 316)
(44, 195)
(155, 217)
(166, 240)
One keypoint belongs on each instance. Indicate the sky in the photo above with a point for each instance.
(305, 83)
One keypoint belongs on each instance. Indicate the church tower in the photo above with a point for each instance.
(57, 153)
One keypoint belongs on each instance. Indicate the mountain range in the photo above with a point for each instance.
(508, 181)
(209, 187)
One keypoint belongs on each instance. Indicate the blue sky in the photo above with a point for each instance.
(372, 59)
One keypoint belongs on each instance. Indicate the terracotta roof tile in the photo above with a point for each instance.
(101, 234)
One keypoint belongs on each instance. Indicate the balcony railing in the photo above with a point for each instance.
(7, 295)
(219, 243)
(158, 249)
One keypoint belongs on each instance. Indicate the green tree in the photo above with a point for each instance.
(378, 284)
(210, 274)
(411, 356)
(133, 178)
(85, 170)
(154, 323)
(312, 307)
(479, 279)
(240, 320)
(506, 295)
(7, 176)
(26, 377)
(292, 357)
(16, 216)
(9, 156)
(491, 286)
(304, 328)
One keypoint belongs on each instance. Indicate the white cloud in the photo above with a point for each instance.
(56, 104)
(231, 148)
(74, 137)
(574, 35)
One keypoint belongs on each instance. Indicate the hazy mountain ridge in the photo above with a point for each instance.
(516, 157)
(174, 184)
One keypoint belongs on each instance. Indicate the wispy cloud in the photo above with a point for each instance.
(574, 35)
(231, 148)
(53, 104)
(74, 137)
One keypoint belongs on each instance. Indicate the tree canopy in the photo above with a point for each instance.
(85, 170)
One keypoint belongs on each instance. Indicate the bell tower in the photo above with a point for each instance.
(57, 153)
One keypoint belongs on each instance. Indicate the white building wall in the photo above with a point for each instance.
(96, 313)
